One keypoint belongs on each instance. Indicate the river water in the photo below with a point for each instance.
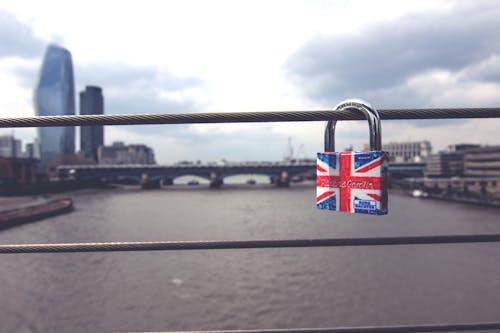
(247, 289)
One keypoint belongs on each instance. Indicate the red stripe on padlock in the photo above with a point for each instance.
(375, 196)
(324, 195)
(345, 174)
(370, 166)
(320, 169)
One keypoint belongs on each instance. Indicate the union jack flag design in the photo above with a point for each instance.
(352, 181)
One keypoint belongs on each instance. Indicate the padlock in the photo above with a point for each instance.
(353, 181)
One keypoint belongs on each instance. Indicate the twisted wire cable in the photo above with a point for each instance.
(243, 117)
(245, 244)
(365, 329)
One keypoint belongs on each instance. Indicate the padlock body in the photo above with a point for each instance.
(353, 181)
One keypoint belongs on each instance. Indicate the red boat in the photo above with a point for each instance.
(12, 217)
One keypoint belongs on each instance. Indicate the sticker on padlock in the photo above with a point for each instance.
(353, 181)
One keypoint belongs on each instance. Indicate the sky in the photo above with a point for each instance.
(231, 56)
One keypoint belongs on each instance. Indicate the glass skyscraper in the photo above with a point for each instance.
(55, 96)
(91, 137)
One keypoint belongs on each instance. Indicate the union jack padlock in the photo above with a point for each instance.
(353, 181)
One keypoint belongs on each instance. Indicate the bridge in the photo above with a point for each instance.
(152, 176)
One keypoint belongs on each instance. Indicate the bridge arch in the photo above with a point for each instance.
(155, 174)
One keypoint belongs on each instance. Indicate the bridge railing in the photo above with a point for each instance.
(299, 115)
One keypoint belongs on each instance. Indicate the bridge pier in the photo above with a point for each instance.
(168, 181)
(283, 180)
(152, 184)
(215, 181)
(146, 183)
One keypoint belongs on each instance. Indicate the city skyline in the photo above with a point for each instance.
(394, 54)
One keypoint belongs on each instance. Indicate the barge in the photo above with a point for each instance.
(13, 217)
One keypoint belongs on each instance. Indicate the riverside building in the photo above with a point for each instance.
(404, 152)
(119, 153)
(482, 162)
(449, 163)
(10, 146)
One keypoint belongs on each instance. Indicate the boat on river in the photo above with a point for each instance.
(12, 217)
(419, 194)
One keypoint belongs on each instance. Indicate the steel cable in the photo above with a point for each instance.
(243, 117)
(245, 244)
(365, 329)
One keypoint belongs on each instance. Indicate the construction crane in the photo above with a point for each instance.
(291, 154)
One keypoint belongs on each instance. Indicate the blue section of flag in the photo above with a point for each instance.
(329, 203)
(365, 158)
(366, 206)
(330, 159)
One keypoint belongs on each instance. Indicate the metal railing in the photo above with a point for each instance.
(299, 115)
(245, 117)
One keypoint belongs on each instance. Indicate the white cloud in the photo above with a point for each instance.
(16, 100)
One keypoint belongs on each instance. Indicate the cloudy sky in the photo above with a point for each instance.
(226, 56)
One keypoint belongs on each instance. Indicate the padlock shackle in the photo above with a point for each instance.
(371, 114)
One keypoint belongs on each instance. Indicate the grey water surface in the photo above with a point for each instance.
(247, 289)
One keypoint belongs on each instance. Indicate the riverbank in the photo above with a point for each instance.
(481, 201)
(483, 191)
(49, 187)
(12, 202)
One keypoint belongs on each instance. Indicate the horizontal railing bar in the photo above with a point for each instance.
(243, 117)
(243, 244)
(364, 329)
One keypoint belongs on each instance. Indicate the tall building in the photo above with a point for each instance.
(91, 137)
(55, 96)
